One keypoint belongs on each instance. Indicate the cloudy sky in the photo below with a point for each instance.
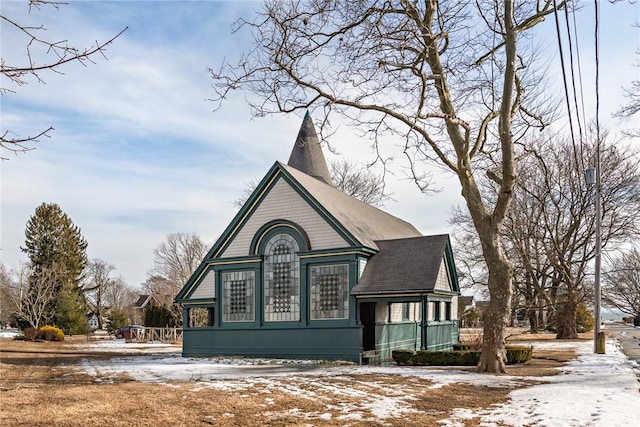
(138, 152)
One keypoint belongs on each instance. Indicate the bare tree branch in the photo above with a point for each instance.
(61, 53)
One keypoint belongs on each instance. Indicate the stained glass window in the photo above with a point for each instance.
(238, 296)
(330, 291)
(281, 279)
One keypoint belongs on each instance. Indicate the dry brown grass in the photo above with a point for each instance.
(40, 386)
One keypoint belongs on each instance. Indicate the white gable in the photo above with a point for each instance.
(442, 281)
(283, 202)
(207, 287)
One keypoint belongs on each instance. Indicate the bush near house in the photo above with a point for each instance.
(459, 357)
(43, 333)
(50, 333)
(402, 357)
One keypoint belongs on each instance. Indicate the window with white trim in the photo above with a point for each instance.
(329, 291)
(281, 279)
(238, 296)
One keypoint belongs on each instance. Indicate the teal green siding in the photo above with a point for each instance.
(322, 343)
(407, 336)
(393, 336)
(442, 335)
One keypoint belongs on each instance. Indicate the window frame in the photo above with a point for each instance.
(272, 264)
(249, 295)
(314, 297)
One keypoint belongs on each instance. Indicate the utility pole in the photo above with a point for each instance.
(598, 341)
(593, 176)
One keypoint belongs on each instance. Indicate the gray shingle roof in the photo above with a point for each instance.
(142, 301)
(365, 223)
(403, 265)
(307, 155)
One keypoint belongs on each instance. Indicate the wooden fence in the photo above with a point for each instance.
(171, 335)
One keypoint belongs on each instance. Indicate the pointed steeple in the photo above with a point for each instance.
(306, 155)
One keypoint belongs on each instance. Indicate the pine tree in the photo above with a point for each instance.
(54, 243)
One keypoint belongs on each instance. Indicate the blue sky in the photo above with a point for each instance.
(138, 153)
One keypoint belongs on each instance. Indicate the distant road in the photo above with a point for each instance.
(629, 338)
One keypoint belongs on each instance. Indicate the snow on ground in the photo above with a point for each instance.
(593, 390)
(9, 333)
(123, 347)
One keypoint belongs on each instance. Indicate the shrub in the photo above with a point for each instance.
(43, 333)
(447, 358)
(402, 357)
(30, 334)
(519, 354)
(50, 333)
(584, 319)
(463, 346)
(456, 357)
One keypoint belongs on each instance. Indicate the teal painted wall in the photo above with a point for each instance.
(318, 343)
(406, 336)
(442, 335)
(393, 336)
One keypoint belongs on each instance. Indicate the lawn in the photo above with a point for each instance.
(72, 384)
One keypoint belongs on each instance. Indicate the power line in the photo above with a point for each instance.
(575, 31)
(573, 78)
(564, 80)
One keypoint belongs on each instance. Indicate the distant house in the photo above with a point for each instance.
(136, 314)
(93, 322)
(469, 302)
(305, 271)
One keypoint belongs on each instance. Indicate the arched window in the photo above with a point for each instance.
(281, 279)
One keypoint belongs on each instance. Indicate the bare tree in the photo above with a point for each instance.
(175, 260)
(97, 280)
(353, 180)
(359, 182)
(446, 77)
(549, 231)
(41, 55)
(7, 301)
(33, 296)
(568, 218)
(622, 283)
(118, 294)
(249, 188)
(632, 108)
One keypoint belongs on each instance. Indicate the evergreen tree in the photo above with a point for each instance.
(116, 319)
(54, 242)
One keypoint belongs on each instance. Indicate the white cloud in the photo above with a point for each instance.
(138, 151)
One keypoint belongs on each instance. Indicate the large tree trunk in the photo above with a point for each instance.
(496, 317)
(533, 315)
(566, 319)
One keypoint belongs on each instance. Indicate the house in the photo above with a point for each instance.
(93, 322)
(306, 271)
(137, 309)
(469, 302)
